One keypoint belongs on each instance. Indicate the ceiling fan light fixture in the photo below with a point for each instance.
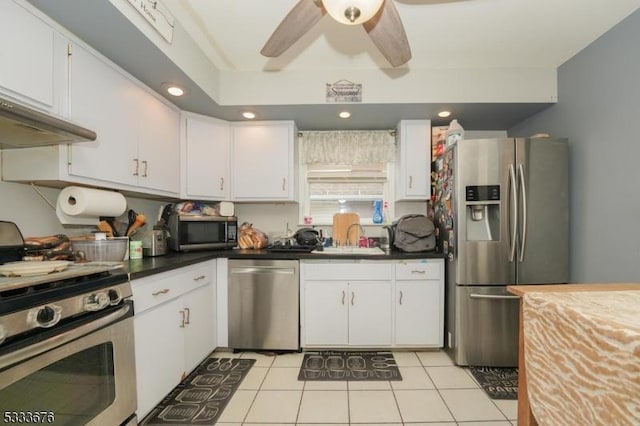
(352, 12)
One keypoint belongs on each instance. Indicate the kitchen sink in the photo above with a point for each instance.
(345, 250)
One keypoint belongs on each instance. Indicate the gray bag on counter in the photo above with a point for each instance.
(414, 233)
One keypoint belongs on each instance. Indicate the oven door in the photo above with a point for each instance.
(82, 374)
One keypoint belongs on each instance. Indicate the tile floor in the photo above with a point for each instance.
(433, 392)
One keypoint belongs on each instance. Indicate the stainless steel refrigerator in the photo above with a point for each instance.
(502, 210)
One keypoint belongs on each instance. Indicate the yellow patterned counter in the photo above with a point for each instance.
(579, 354)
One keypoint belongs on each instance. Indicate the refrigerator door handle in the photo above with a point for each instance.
(492, 296)
(525, 212)
(513, 209)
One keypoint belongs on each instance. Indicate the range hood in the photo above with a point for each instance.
(23, 127)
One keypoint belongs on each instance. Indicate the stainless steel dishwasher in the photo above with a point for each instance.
(264, 304)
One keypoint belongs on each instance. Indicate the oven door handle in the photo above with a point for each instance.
(60, 339)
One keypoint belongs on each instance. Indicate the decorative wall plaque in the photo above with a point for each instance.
(344, 91)
(157, 15)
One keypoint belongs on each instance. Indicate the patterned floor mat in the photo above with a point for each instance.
(497, 382)
(352, 366)
(202, 395)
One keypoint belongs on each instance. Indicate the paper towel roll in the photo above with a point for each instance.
(83, 206)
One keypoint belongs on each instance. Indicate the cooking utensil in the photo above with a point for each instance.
(138, 220)
(112, 224)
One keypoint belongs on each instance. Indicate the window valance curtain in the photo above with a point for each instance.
(347, 147)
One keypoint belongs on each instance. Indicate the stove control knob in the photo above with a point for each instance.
(115, 296)
(45, 316)
(96, 301)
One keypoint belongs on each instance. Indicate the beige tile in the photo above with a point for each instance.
(509, 407)
(261, 359)
(373, 407)
(237, 409)
(369, 385)
(422, 406)
(406, 359)
(254, 378)
(284, 378)
(288, 360)
(413, 378)
(471, 405)
(431, 424)
(498, 423)
(451, 378)
(324, 407)
(228, 424)
(434, 358)
(378, 424)
(267, 424)
(336, 385)
(275, 407)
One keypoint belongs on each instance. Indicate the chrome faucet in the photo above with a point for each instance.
(362, 235)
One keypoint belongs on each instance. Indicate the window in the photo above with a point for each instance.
(343, 182)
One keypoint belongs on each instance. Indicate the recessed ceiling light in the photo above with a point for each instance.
(249, 115)
(444, 114)
(344, 114)
(173, 89)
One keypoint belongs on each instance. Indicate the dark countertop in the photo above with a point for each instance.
(154, 265)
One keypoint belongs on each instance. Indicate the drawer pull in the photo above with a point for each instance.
(401, 297)
(418, 271)
(353, 295)
(188, 316)
(158, 293)
(201, 277)
(343, 295)
(183, 319)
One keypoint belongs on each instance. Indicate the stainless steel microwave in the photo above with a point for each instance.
(195, 232)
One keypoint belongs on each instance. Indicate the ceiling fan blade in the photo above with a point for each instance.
(297, 22)
(387, 33)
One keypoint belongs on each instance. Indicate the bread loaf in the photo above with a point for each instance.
(251, 238)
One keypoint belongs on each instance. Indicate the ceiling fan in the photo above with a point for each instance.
(379, 18)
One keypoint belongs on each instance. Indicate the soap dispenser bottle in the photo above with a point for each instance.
(377, 211)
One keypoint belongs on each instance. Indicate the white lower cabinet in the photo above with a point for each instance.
(372, 303)
(174, 326)
(419, 303)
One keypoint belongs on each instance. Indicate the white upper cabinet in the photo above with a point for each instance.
(138, 135)
(205, 158)
(264, 161)
(33, 58)
(413, 160)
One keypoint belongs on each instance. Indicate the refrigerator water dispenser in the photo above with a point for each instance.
(483, 213)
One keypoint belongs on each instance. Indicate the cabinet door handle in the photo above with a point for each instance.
(410, 181)
(146, 168)
(184, 317)
(418, 271)
(343, 296)
(221, 184)
(201, 277)
(284, 184)
(353, 295)
(188, 316)
(401, 297)
(158, 293)
(135, 160)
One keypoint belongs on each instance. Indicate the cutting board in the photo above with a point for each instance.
(341, 223)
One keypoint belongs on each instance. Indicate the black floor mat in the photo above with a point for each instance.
(352, 366)
(497, 382)
(202, 395)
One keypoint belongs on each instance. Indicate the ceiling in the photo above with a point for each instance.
(443, 34)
